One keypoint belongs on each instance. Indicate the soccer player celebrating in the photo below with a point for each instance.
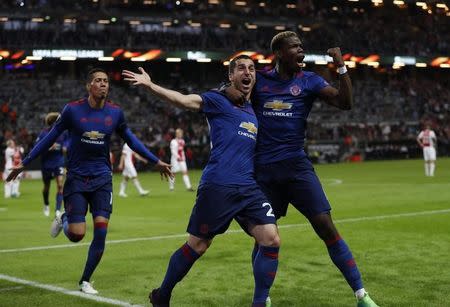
(427, 140)
(129, 171)
(90, 123)
(52, 164)
(227, 186)
(13, 157)
(282, 100)
(178, 160)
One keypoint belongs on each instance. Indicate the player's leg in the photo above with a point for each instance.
(7, 185)
(186, 180)
(175, 169)
(309, 198)
(15, 192)
(432, 161)
(135, 180)
(72, 221)
(46, 179)
(123, 184)
(59, 193)
(101, 208)
(426, 159)
(180, 263)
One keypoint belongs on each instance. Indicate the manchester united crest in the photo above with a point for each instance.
(295, 90)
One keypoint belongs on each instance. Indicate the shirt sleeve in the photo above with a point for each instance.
(173, 148)
(212, 102)
(61, 124)
(317, 83)
(420, 135)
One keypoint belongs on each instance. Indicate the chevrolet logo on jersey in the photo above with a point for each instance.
(94, 135)
(249, 126)
(278, 105)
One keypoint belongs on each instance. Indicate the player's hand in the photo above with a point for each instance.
(236, 96)
(336, 54)
(164, 169)
(137, 78)
(15, 171)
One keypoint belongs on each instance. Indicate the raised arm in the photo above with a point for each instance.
(191, 102)
(42, 145)
(341, 97)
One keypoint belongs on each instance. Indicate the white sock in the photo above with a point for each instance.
(427, 171)
(172, 183)
(432, 167)
(187, 182)
(360, 293)
(15, 187)
(137, 184)
(123, 186)
(8, 186)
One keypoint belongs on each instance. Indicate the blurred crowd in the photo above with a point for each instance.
(358, 27)
(390, 108)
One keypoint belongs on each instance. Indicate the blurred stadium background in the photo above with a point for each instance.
(398, 54)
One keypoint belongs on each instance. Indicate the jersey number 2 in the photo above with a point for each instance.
(270, 211)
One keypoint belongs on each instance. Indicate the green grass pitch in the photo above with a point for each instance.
(395, 220)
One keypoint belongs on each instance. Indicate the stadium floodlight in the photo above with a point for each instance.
(442, 6)
(1, 58)
(103, 21)
(173, 60)
(377, 2)
(37, 19)
(204, 60)
(264, 61)
(320, 62)
(68, 58)
(399, 2)
(167, 23)
(3, 19)
(188, 1)
(70, 20)
(421, 65)
(373, 64)
(225, 25)
(213, 1)
(195, 24)
(33, 58)
(291, 6)
(444, 65)
(138, 59)
(251, 26)
(226, 63)
(106, 59)
(240, 3)
(262, 4)
(134, 22)
(353, 0)
(280, 28)
(350, 64)
(306, 29)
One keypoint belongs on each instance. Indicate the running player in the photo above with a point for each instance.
(227, 186)
(13, 157)
(282, 99)
(90, 122)
(427, 140)
(129, 171)
(178, 160)
(52, 165)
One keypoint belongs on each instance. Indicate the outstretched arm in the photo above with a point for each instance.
(341, 97)
(191, 102)
(43, 144)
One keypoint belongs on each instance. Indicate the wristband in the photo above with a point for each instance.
(342, 70)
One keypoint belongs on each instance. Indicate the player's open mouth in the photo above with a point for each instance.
(246, 81)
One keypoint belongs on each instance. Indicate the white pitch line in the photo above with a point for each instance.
(184, 235)
(10, 288)
(65, 291)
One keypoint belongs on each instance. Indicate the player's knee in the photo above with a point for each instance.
(200, 246)
(75, 237)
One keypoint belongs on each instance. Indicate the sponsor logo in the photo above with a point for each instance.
(249, 126)
(93, 137)
(295, 90)
(251, 130)
(278, 105)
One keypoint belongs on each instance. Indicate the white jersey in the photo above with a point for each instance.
(13, 157)
(178, 158)
(177, 150)
(428, 138)
(128, 166)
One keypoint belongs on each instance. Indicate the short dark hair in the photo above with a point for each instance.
(90, 74)
(278, 40)
(234, 60)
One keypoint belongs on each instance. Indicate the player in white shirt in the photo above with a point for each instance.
(129, 171)
(427, 140)
(13, 157)
(178, 160)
